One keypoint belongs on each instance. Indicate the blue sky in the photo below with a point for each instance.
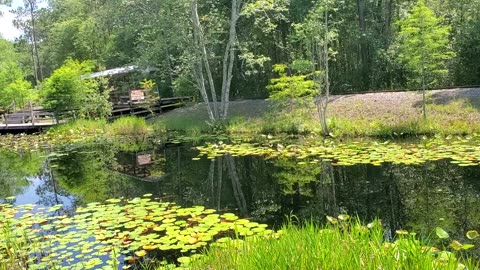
(7, 30)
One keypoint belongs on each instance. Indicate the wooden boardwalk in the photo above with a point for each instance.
(31, 120)
(38, 119)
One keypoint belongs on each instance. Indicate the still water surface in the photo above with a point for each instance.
(411, 197)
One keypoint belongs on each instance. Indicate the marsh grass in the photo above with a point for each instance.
(87, 127)
(347, 246)
(130, 126)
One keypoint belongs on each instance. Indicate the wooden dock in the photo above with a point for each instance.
(139, 109)
(37, 119)
(27, 120)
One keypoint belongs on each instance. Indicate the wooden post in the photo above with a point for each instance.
(31, 113)
(4, 117)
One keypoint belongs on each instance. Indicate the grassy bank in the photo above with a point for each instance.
(130, 129)
(450, 112)
(349, 245)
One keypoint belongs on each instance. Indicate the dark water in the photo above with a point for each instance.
(417, 198)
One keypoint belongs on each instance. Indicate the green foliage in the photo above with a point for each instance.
(80, 126)
(183, 86)
(96, 103)
(130, 126)
(64, 91)
(468, 43)
(13, 86)
(424, 46)
(310, 246)
(19, 91)
(289, 86)
(14, 170)
(67, 94)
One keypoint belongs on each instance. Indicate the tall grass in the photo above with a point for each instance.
(130, 126)
(81, 126)
(351, 246)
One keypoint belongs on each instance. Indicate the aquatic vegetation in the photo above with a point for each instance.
(117, 232)
(130, 126)
(464, 151)
(341, 244)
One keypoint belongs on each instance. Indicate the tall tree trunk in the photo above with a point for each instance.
(323, 96)
(38, 66)
(229, 57)
(198, 31)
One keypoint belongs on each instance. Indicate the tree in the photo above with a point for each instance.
(290, 86)
(316, 35)
(13, 86)
(202, 65)
(66, 93)
(424, 47)
(27, 21)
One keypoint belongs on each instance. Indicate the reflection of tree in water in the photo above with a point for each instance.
(87, 172)
(15, 169)
(440, 194)
(49, 192)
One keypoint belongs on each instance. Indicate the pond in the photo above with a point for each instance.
(418, 197)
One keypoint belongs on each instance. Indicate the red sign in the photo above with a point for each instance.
(137, 95)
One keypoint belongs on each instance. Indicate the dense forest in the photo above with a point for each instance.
(237, 43)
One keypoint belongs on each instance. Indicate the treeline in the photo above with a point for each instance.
(365, 44)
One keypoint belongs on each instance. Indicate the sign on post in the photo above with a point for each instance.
(144, 159)
(137, 95)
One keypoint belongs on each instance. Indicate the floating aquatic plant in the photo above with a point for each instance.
(464, 151)
(104, 234)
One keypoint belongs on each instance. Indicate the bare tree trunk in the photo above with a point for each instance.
(198, 65)
(38, 66)
(198, 73)
(229, 57)
(198, 32)
(323, 98)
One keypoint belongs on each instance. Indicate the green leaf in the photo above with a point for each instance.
(468, 246)
(456, 245)
(442, 234)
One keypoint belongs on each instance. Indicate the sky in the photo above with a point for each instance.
(7, 30)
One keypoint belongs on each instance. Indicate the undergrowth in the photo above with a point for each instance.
(350, 245)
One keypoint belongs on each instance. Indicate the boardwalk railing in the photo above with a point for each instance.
(34, 118)
(37, 118)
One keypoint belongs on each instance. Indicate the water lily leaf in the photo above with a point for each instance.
(456, 245)
(332, 220)
(467, 246)
(442, 234)
(472, 234)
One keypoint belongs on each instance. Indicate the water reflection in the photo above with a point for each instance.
(411, 197)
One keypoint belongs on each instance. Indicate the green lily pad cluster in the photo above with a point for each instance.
(464, 151)
(102, 235)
